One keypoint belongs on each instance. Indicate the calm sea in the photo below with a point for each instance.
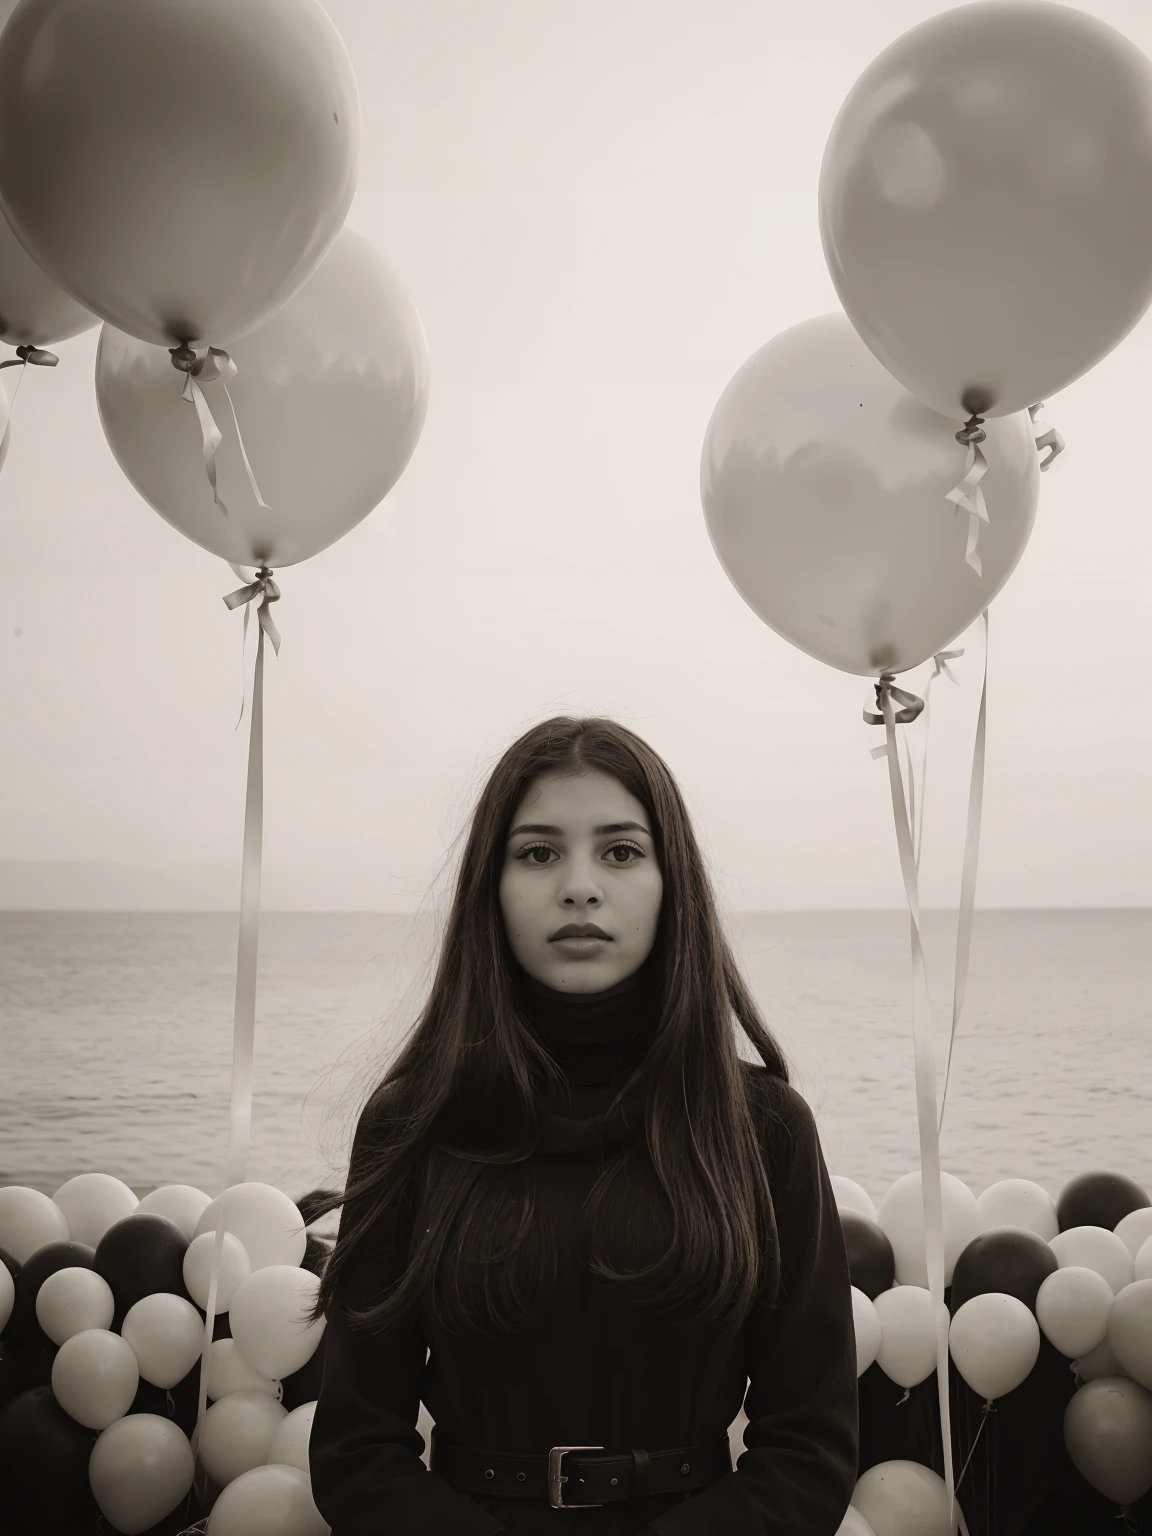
(115, 1040)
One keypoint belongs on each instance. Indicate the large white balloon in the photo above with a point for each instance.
(93, 1202)
(901, 1216)
(266, 1319)
(72, 1300)
(1019, 1203)
(331, 395)
(95, 1377)
(139, 1470)
(167, 1337)
(182, 1203)
(228, 1371)
(29, 1220)
(289, 1445)
(825, 491)
(1095, 1248)
(1072, 1307)
(238, 1431)
(266, 1222)
(269, 1501)
(234, 1267)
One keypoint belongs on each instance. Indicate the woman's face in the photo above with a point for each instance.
(580, 852)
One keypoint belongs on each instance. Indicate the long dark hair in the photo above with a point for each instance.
(471, 1062)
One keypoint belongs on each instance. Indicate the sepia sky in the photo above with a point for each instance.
(600, 211)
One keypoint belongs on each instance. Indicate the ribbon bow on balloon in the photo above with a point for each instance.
(215, 366)
(968, 493)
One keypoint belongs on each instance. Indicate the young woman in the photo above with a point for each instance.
(601, 1222)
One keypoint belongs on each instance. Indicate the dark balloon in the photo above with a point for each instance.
(140, 1255)
(44, 1467)
(1009, 1259)
(22, 1328)
(1099, 1200)
(303, 1386)
(315, 1255)
(870, 1258)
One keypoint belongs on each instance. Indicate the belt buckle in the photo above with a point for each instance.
(555, 1456)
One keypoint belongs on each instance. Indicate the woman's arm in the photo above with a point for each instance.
(364, 1450)
(798, 1472)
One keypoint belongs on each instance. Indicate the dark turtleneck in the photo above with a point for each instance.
(595, 1038)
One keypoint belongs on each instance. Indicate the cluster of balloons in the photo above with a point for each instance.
(185, 229)
(1018, 1263)
(103, 1298)
(981, 207)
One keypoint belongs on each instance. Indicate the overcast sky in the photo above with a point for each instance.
(600, 212)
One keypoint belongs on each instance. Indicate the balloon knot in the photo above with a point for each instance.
(971, 432)
(183, 357)
(38, 356)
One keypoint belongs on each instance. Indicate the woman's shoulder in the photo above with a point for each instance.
(782, 1112)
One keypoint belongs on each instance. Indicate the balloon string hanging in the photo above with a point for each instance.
(215, 366)
(925, 1059)
(244, 1019)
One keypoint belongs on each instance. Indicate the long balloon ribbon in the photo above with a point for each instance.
(969, 494)
(215, 365)
(930, 1181)
(244, 1020)
(968, 878)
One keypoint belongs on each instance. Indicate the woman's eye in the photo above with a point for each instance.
(528, 855)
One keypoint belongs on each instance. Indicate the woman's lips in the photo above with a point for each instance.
(582, 946)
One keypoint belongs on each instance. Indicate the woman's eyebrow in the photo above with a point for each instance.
(605, 831)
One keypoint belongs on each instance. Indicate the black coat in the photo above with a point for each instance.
(596, 1370)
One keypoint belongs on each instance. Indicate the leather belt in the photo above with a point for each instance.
(579, 1476)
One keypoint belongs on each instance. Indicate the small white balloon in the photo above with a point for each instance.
(908, 1344)
(72, 1300)
(272, 1500)
(93, 1202)
(7, 1294)
(1135, 1229)
(900, 1216)
(228, 1371)
(995, 1341)
(266, 1319)
(182, 1203)
(1130, 1331)
(289, 1446)
(1095, 1248)
(234, 1267)
(1019, 1203)
(1072, 1307)
(139, 1470)
(95, 1377)
(29, 1220)
(851, 1196)
(166, 1334)
(268, 1224)
(237, 1434)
